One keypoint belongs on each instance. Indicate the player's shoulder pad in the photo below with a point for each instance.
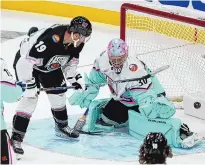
(54, 33)
(58, 31)
(58, 27)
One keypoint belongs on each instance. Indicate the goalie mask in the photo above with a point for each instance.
(83, 27)
(117, 53)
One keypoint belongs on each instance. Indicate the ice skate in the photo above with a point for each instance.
(192, 140)
(66, 132)
(17, 149)
(189, 139)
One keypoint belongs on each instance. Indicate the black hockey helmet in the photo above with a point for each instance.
(32, 30)
(155, 140)
(81, 25)
(155, 149)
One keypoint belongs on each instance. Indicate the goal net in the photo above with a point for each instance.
(160, 38)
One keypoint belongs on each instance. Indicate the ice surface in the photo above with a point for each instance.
(102, 34)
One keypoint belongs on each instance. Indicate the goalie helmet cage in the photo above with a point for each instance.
(160, 38)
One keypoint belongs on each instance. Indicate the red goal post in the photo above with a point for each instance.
(162, 14)
(159, 38)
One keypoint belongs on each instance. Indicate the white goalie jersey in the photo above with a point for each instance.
(132, 68)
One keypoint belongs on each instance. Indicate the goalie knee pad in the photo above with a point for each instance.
(95, 110)
(169, 127)
(153, 107)
(164, 107)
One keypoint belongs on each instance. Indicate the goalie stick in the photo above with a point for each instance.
(81, 122)
(114, 82)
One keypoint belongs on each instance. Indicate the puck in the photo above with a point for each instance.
(197, 105)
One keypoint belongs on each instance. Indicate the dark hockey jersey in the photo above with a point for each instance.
(45, 49)
(50, 50)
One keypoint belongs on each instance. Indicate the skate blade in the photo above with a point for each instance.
(192, 141)
(64, 137)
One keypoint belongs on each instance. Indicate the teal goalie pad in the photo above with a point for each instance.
(95, 111)
(140, 126)
(155, 107)
(164, 107)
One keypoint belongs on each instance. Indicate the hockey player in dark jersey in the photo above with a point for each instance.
(47, 58)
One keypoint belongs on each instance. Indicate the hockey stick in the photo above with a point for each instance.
(56, 88)
(113, 82)
(81, 122)
(96, 133)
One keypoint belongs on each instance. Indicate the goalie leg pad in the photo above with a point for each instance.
(169, 127)
(164, 107)
(156, 107)
(95, 110)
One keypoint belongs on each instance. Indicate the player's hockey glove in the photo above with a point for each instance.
(76, 85)
(77, 82)
(84, 98)
(29, 88)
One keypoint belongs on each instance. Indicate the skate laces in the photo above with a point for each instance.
(68, 129)
(185, 128)
(17, 144)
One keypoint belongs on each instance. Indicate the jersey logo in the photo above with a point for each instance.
(133, 67)
(56, 62)
(56, 38)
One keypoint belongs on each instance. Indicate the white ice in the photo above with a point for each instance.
(102, 34)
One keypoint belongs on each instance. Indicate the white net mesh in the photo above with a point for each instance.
(7, 35)
(158, 41)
